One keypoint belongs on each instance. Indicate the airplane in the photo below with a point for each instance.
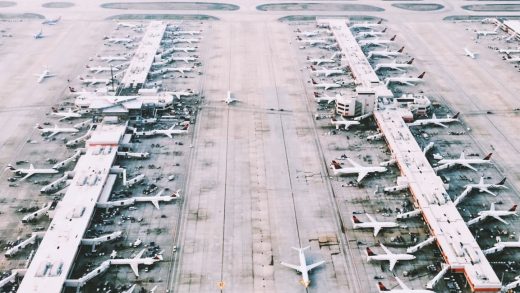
(462, 161)
(181, 70)
(388, 256)
(493, 213)
(45, 74)
(395, 65)
(39, 35)
(377, 226)
(65, 115)
(129, 25)
(303, 268)
(51, 21)
(325, 98)
(109, 59)
(509, 51)
(119, 40)
(185, 59)
(184, 49)
(191, 33)
(166, 132)
(155, 200)
(325, 85)
(327, 72)
(470, 54)
(512, 59)
(343, 123)
(313, 42)
(230, 99)
(55, 130)
(183, 40)
(404, 288)
(385, 53)
(93, 81)
(406, 80)
(319, 61)
(487, 33)
(436, 121)
(179, 94)
(356, 168)
(484, 187)
(136, 261)
(376, 42)
(370, 34)
(99, 69)
(31, 171)
(366, 24)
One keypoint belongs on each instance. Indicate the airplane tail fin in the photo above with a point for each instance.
(488, 157)
(380, 21)
(512, 209)
(316, 95)
(72, 90)
(393, 38)
(356, 220)
(382, 287)
(335, 164)
(422, 75)
(456, 115)
(411, 61)
(313, 81)
(401, 50)
(502, 182)
(384, 30)
(186, 126)
(301, 249)
(10, 167)
(370, 252)
(313, 69)
(298, 38)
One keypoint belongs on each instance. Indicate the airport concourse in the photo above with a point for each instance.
(256, 146)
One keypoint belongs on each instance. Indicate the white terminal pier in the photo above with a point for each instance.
(54, 259)
(459, 248)
(135, 75)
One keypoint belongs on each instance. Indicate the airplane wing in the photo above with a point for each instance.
(53, 133)
(393, 262)
(440, 124)
(169, 135)
(29, 174)
(361, 175)
(131, 289)
(370, 218)
(316, 264)
(376, 230)
(353, 163)
(500, 219)
(488, 191)
(135, 268)
(469, 166)
(407, 83)
(401, 284)
(155, 202)
(385, 249)
(294, 267)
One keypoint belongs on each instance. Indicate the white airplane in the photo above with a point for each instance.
(165, 132)
(313, 42)
(191, 33)
(484, 187)
(39, 35)
(394, 65)
(325, 98)
(185, 59)
(373, 224)
(183, 40)
(495, 214)
(180, 70)
(376, 42)
(119, 40)
(131, 289)
(51, 21)
(512, 59)
(69, 114)
(229, 99)
(388, 256)
(367, 24)
(369, 34)
(311, 33)
(180, 94)
(404, 288)
(325, 85)
(45, 74)
(509, 51)
(406, 80)
(435, 121)
(343, 123)
(487, 33)
(470, 54)
(109, 59)
(327, 72)
(319, 61)
(155, 200)
(303, 268)
(462, 161)
(129, 25)
(183, 49)
(94, 81)
(99, 69)
(136, 261)
(356, 168)
(55, 130)
(31, 171)
(385, 53)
